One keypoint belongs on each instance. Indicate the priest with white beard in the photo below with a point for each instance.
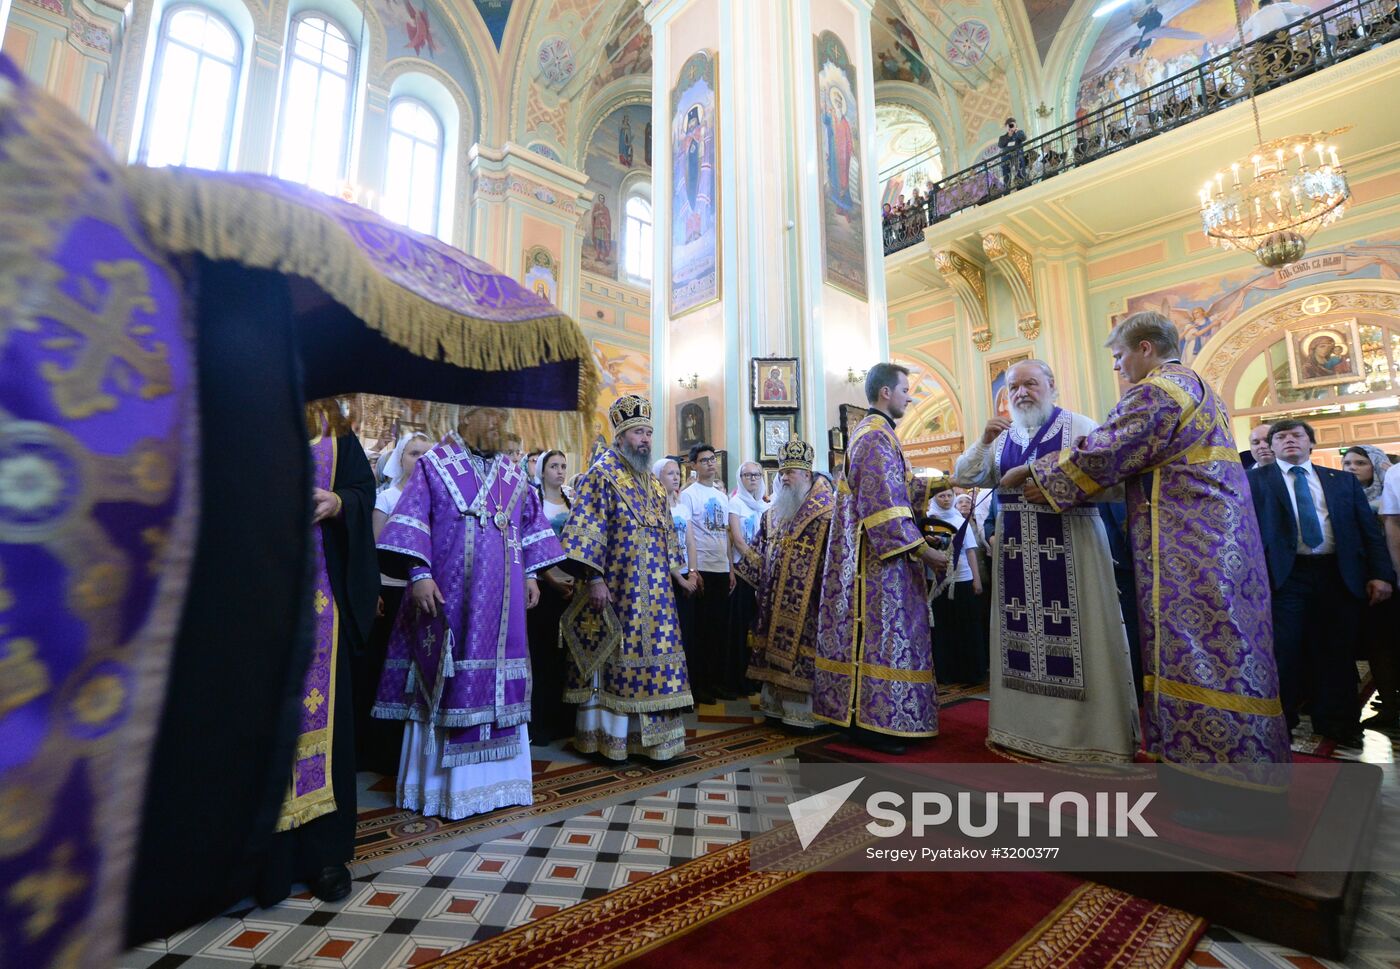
(783, 564)
(1061, 681)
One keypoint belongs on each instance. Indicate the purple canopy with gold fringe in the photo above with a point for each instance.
(415, 291)
(99, 457)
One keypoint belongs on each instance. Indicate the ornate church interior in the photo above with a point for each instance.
(816, 277)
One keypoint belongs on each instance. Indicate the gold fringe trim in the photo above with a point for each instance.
(323, 805)
(185, 212)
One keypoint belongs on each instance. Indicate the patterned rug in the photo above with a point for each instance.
(563, 789)
(382, 835)
(1006, 919)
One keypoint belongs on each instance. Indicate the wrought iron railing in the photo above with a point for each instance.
(1326, 37)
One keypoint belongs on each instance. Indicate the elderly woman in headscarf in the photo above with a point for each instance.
(1378, 623)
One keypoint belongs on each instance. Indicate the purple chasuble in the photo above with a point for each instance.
(477, 528)
(1040, 639)
(98, 517)
(1210, 679)
(874, 663)
(310, 794)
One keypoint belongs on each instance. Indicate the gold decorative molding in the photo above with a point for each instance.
(1237, 342)
(969, 285)
(1012, 262)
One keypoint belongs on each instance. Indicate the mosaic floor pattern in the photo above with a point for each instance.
(425, 907)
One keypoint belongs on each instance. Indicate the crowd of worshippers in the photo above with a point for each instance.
(1076, 567)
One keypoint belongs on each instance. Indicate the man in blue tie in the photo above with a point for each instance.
(1327, 561)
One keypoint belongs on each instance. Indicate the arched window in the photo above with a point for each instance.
(413, 175)
(314, 131)
(194, 88)
(636, 239)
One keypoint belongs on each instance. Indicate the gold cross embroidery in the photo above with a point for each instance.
(44, 893)
(106, 346)
(321, 602)
(313, 700)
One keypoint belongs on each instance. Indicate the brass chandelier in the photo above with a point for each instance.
(1271, 202)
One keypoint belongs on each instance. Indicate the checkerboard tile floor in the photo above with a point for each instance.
(415, 912)
(418, 911)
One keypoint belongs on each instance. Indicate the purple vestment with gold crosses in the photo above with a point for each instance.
(874, 663)
(620, 528)
(476, 527)
(1210, 681)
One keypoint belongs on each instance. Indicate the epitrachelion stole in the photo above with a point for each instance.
(1041, 651)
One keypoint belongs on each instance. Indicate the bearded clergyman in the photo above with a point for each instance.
(1061, 680)
(784, 563)
(471, 535)
(627, 666)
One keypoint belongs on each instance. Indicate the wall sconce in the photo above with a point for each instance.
(689, 382)
(854, 376)
(1044, 110)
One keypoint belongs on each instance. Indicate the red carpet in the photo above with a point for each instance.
(715, 910)
(954, 920)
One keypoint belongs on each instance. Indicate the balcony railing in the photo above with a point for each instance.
(1326, 37)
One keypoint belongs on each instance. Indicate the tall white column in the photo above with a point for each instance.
(799, 271)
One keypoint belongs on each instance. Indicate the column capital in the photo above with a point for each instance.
(966, 278)
(1012, 261)
(541, 183)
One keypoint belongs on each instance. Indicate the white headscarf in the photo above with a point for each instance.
(394, 469)
(754, 504)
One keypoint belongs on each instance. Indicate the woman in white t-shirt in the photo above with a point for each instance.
(550, 717)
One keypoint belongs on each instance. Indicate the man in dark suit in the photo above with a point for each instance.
(1327, 561)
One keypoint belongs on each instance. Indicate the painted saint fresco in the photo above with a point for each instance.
(1201, 307)
(695, 277)
(1147, 41)
(843, 226)
(494, 14)
(613, 153)
(624, 370)
(627, 52)
(1046, 17)
(414, 29)
(419, 29)
(599, 255)
(542, 274)
(898, 56)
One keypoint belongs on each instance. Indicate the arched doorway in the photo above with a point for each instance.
(1260, 365)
